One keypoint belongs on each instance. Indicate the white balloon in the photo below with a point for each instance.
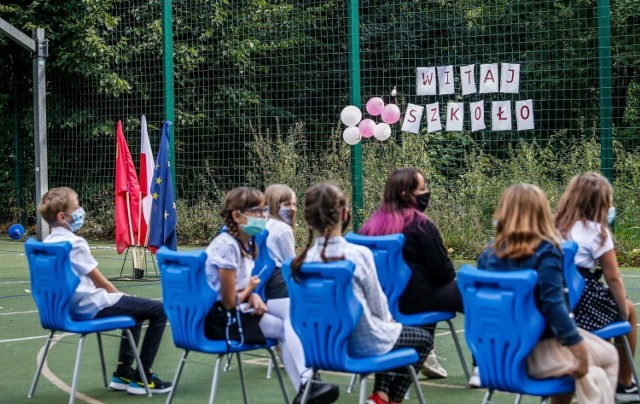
(382, 131)
(350, 115)
(352, 135)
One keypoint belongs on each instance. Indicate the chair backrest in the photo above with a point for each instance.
(53, 283)
(324, 311)
(502, 324)
(573, 279)
(393, 272)
(187, 296)
(264, 264)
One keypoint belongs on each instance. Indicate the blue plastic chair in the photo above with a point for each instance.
(502, 326)
(325, 313)
(394, 274)
(575, 286)
(264, 264)
(53, 284)
(187, 300)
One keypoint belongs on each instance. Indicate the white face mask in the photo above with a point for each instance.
(78, 219)
(286, 214)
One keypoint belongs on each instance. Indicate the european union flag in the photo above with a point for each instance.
(162, 229)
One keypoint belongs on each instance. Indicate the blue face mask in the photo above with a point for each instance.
(254, 225)
(286, 214)
(611, 215)
(78, 220)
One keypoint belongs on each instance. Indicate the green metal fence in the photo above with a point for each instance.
(258, 87)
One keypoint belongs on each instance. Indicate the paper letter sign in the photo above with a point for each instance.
(477, 116)
(489, 78)
(455, 116)
(445, 79)
(433, 117)
(412, 118)
(500, 115)
(510, 78)
(524, 114)
(426, 81)
(468, 79)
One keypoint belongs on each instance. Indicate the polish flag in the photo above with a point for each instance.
(147, 166)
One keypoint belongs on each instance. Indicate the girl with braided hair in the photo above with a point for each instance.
(230, 260)
(326, 213)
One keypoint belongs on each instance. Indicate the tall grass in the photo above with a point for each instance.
(465, 181)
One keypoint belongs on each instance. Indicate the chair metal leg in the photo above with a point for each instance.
(352, 383)
(634, 370)
(363, 389)
(76, 369)
(270, 369)
(176, 378)
(518, 398)
(134, 349)
(214, 384)
(456, 341)
(307, 388)
(487, 396)
(414, 377)
(276, 365)
(104, 368)
(34, 383)
(242, 384)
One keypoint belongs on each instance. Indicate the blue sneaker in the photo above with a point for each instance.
(120, 382)
(156, 385)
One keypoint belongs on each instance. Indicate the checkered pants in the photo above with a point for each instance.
(396, 382)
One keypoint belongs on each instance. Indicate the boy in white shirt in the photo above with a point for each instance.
(96, 297)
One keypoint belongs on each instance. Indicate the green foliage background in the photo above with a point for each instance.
(259, 85)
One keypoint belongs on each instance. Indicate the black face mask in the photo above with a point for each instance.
(345, 222)
(423, 200)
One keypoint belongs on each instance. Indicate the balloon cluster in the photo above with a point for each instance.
(357, 128)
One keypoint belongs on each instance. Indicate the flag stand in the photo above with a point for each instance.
(139, 254)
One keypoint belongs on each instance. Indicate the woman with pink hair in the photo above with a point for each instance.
(432, 286)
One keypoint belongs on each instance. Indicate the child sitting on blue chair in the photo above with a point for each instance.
(526, 238)
(326, 212)
(230, 261)
(96, 297)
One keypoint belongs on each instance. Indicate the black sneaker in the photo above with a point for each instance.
(156, 385)
(321, 393)
(121, 379)
(627, 393)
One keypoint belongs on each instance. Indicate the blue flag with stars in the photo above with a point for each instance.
(162, 229)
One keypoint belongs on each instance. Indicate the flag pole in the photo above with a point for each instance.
(139, 214)
(129, 216)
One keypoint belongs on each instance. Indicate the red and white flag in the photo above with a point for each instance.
(147, 166)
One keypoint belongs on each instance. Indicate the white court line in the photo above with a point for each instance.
(55, 380)
(13, 282)
(23, 339)
(18, 312)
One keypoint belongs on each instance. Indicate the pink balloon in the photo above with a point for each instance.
(366, 127)
(390, 114)
(374, 106)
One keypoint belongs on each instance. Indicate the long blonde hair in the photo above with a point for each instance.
(276, 194)
(588, 197)
(523, 220)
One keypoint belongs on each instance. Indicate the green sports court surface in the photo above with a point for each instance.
(22, 337)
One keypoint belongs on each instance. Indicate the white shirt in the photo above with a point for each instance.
(224, 252)
(280, 242)
(587, 236)
(376, 333)
(88, 299)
